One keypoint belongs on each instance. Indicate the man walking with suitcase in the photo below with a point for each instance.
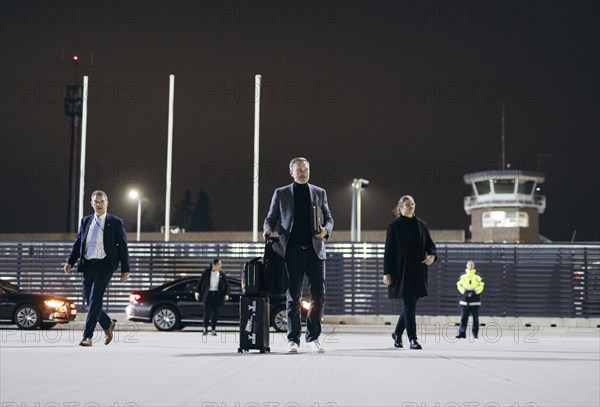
(299, 214)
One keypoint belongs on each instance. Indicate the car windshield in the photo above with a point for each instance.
(9, 287)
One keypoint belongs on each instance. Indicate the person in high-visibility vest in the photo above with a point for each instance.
(470, 285)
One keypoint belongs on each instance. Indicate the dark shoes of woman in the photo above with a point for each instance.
(397, 341)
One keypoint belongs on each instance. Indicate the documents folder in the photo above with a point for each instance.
(316, 219)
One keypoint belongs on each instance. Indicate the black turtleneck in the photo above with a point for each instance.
(301, 231)
(410, 236)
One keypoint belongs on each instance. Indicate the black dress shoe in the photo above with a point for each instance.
(461, 336)
(397, 341)
(108, 334)
(414, 344)
(86, 342)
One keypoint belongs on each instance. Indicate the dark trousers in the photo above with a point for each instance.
(465, 310)
(301, 260)
(211, 310)
(96, 276)
(407, 318)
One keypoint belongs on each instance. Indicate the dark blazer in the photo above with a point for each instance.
(115, 243)
(394, 259)
(204, 286)
(280, 218)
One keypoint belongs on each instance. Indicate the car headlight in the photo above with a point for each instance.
(54, 303)
(306, 305)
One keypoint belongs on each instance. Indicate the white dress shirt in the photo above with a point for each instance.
(99, 252)
(214, 281)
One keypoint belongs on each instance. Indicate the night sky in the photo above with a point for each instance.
(405, 94)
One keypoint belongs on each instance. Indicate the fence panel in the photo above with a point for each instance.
(549, 280)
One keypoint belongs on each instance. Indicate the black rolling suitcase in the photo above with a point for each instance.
(254, 324)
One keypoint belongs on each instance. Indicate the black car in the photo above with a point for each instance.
(32, 311)
(173, 306)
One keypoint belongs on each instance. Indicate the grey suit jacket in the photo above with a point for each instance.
(281, 217)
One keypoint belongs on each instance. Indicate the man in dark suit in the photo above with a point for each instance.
(291, 215)
(212, 290)
(100, 246)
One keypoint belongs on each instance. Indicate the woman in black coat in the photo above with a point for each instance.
(212, 290)
(408, 251)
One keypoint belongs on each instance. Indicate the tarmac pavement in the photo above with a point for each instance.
(505, 366)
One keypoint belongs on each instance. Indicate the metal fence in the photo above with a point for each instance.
(547, 280)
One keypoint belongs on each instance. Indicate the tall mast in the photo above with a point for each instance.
(503, 144)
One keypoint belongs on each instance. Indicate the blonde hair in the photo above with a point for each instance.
(397, 212)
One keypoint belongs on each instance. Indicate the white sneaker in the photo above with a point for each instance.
(292, 347)
(315, 346)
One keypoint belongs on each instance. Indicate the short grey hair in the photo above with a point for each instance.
(297, 159)
(99, 192)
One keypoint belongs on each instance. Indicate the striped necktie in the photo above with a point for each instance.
(91, 248)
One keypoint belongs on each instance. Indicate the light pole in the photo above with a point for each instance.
(133, 194)
(257, 82)
(358, 184)
(73, 109)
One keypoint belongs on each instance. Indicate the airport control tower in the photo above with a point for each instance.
(504, 206)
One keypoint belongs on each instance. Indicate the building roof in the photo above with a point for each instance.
(504, 174)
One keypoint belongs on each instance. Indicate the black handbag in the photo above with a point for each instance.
(253, 277)
(276, 275)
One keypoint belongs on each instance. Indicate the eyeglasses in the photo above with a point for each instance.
(98, 202)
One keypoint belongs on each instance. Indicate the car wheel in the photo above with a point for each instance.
(165, 318)
(48, 325)
(28, 317)
(279, 319)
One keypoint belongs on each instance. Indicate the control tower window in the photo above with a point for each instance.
(505, 219)
(483, 187)
(526, 187)
(504, 186)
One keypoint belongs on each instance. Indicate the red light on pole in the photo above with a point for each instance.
(75, 58)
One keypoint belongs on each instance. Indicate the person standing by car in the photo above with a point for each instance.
(213, 290)
(99, 247)
(302, 248)
(408, 251)
(470, 286)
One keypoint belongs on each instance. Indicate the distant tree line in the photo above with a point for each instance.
(193, 216)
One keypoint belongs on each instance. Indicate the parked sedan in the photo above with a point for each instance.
(32, 311)
(173, 306)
